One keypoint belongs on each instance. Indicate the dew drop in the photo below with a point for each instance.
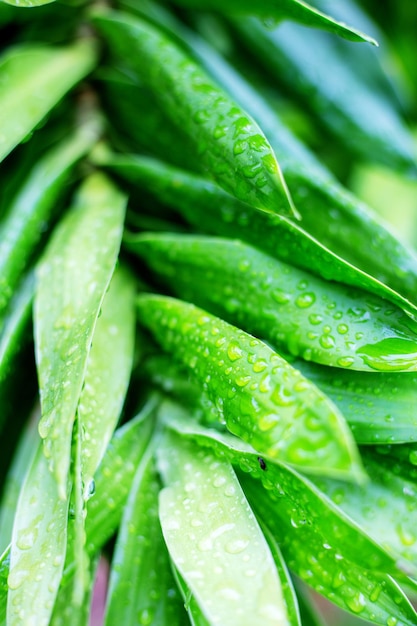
(305, 300)
(234, 352)
(280, 296)
(315, 319)
(356, 603)
(236, 546)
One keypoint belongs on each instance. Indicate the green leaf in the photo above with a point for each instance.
(33, 78)
(108, 373)
(73, 276)
(141, 587)
(214, 539)
(66, 612)
(38, 547)
(305, 316)
(376, 405)
(27, 3)
(385, 509)
(22, 459)
(330, 213)
(258, 394)
(320, 544)
(210, 209)
(227, 141)
(295, 10)
(362, 121)
(32, 208)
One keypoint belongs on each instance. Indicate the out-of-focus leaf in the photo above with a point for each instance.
(386, 509)
(295, 10)
(33, 79)
(141, 583)
(73, 276)
(28, 215)
(377, 406)
(359, 119)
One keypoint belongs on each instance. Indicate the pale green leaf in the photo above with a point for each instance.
(33, 79)
(73, 276)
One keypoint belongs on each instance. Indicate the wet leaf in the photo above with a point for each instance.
(108, 373)
(319, 542)
(229, 144)
(209, 528)
(259, 396)
(305, 316)
(142, 589)
(73, 276)
(38, 547)
(377, 406)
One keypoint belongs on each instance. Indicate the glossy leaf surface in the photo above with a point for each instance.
(108, 373)
(208, 527)
(304, 315)
(41, 75)
(258, 394)
(378, 406)
(38, 547)
(209, 208)
(319, 542)
(226, 139)
(73, 276)
(142, 588)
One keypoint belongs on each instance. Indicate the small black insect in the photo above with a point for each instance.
(262, 463)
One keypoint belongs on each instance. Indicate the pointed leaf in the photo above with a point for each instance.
(230, 145)
(208, 527)
(258, 394)
(209, 208)
(318, 541)
(287, 306)
(73, 276)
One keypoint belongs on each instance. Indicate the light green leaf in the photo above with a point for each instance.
(319, 542)
(32, 81)
(142, 589)
(27, 3)
(108, 372)
(73, 276)
(38, 547)
(258, 395)
(214, 539)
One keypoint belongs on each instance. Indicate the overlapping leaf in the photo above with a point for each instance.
(72, 279)
(42, 76)
(259, 396)
(225, 138)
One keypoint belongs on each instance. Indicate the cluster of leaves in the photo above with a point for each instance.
(208, 345)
